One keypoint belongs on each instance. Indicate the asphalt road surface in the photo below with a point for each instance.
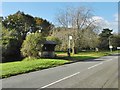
(96, 73)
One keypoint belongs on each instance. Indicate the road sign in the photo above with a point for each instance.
(70, 37)
(110, 46)
(118, 47)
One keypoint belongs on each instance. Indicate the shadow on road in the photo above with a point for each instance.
(74, 59)
(115, 55)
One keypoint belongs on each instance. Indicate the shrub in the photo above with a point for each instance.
(32, 45)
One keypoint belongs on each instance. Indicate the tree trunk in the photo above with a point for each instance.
(73, 48)
(74, 51)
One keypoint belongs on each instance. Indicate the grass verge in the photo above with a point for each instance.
(85, 55)
(28, 65)
(20, 67)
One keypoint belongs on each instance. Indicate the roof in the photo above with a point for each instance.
(50, 42)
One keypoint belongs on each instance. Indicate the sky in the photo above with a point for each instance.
(106, 11)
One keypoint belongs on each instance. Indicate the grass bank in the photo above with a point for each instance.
(85, 55)
(28, 65)
(20, 67)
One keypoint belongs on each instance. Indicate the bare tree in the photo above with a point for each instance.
(77, 18)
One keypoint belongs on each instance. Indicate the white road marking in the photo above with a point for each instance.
(95, 65)
(109, 60)
(60, 80)
(116, 57)
(72, 75)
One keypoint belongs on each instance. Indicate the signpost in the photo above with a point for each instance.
(111, 47)
(69, 50)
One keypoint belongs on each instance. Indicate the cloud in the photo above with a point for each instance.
(97, 18)
(100, 21)
(103, 23)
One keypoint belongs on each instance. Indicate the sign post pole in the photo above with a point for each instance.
(70, 38)
(110, 48)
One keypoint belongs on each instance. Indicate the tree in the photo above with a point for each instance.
(32, 45)
(89, 40)
(20, 22)
(24, 23)
(10, 45)
(76, 18)
(115, 39)
(62, 34)
(43, 25)
(105, 36)
(55, 39)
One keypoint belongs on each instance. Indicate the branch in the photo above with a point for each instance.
(84, 20)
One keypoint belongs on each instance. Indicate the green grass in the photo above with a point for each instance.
(28, 65)
(85, 55)
(14, 68)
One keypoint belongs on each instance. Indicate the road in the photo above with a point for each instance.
(96, 73)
